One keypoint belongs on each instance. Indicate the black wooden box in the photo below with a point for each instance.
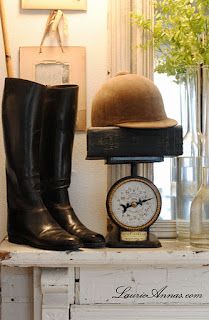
(108, 142)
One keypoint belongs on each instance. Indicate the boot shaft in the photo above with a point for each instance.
(22, 118)
(59, 121)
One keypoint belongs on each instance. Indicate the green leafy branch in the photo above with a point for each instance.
(179, 34)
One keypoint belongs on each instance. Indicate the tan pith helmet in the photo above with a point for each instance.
(130, 101)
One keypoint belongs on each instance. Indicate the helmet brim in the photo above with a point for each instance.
(166, 123)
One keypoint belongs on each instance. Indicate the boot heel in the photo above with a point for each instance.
(14, 239)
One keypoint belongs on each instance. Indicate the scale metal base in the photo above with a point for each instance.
(113, 240)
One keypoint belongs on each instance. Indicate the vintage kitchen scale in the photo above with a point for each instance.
(133, 202)
(129, 125)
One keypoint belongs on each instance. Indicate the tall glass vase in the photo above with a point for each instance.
(189, 165)
(183, 104)
(205, 117)
(199, 219)
(192, 142)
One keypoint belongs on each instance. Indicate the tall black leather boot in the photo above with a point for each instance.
(60, 111)
(29, 222)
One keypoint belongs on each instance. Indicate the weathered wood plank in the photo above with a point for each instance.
(147, 285)
(114, 312)
(172, 253)
(17, 295)
(37, 294)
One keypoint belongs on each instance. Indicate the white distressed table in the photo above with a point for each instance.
(171, 282)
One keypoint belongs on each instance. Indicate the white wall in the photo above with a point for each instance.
(87, 29)
(2, 157)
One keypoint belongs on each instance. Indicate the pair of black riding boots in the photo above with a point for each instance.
(38, 127)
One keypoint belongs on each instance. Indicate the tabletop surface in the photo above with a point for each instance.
(172, 252)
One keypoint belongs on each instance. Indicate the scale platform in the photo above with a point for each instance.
(122, 145)
(131, 146)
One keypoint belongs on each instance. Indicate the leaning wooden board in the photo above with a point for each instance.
(54, 67)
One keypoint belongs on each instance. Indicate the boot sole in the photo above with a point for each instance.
(40, 246)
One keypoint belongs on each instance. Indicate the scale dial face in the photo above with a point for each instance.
(133, 203)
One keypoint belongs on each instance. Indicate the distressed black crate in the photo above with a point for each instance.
(108, 142)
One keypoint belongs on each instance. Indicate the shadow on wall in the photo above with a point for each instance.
(3, 208)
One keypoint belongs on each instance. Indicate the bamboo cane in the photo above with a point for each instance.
(8, 58)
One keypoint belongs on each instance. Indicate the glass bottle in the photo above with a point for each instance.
(188, 183)
(192, 142)
(183, 104)
(189, 165)
(199, 220)
(173, 161)
(205, 117)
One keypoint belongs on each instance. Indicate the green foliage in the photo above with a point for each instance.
(179, 34)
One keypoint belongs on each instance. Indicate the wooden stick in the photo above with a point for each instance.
(5, 40)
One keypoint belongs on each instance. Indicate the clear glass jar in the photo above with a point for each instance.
(188, 183)
(199, 218)
(189, 165)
